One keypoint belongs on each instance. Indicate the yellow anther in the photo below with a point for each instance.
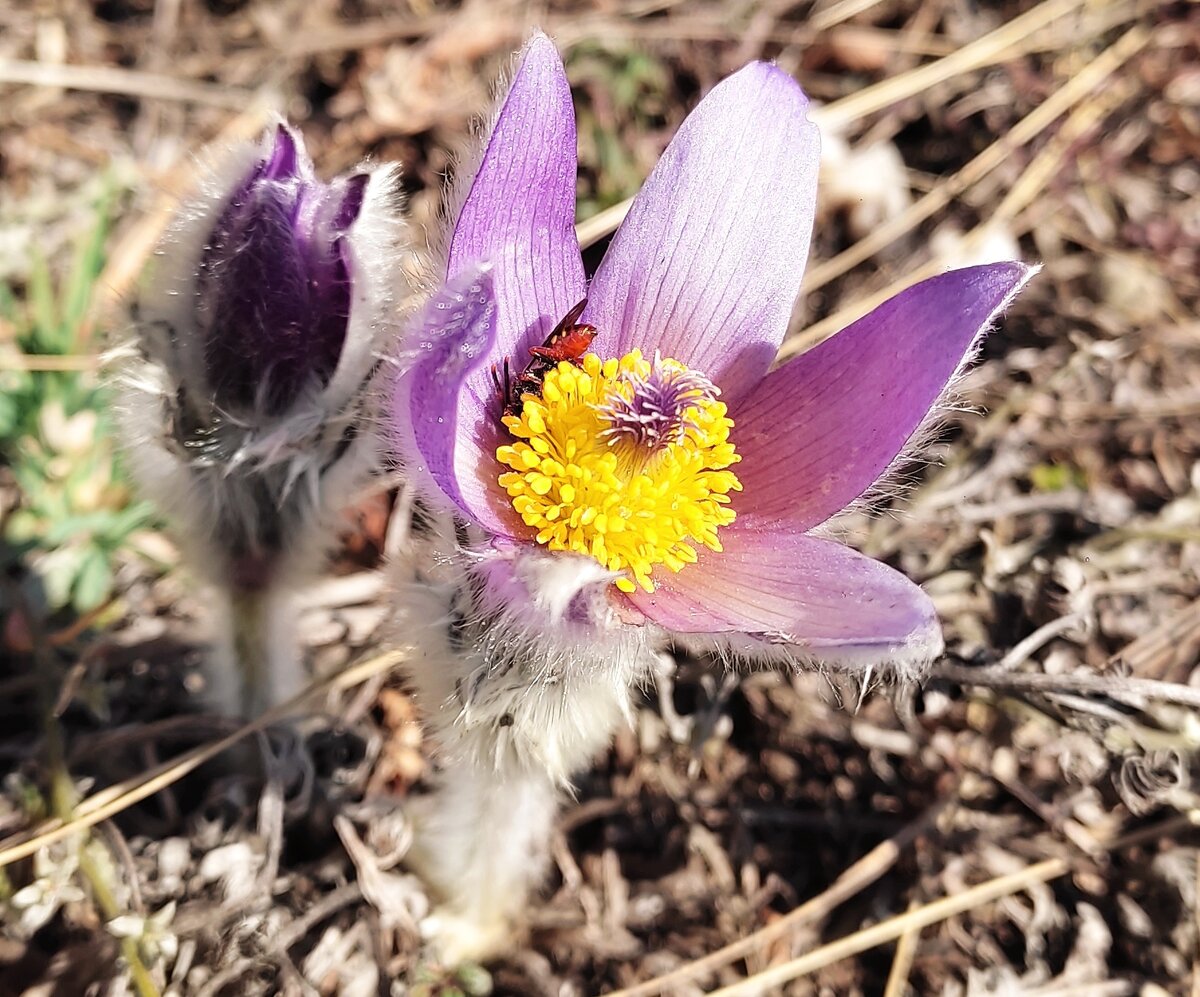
(631, 505)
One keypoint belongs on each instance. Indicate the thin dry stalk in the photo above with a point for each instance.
(902, 961)
(1080, 86)
(996, 46)
(109, 802)
(44, 362)
(894, 927)
(1031, 182)
(856, 878)
(927, 915)
(1134, 692)
(838, 12)
(1153, 654)
(1003, 43)
(126, 82)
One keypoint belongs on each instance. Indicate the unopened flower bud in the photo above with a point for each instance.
(249, 398)
(274, 283)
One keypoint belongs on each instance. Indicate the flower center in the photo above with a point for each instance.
(624, 460)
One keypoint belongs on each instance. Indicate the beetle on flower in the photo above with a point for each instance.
(665, 488)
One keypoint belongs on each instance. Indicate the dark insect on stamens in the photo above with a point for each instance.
(568, 341)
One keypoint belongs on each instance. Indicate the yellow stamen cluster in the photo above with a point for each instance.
(628, 504)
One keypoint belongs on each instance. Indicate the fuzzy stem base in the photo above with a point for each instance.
(523, 676)
(481, 844)
(257, 660)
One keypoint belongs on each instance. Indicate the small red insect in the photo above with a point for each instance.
(569, 341)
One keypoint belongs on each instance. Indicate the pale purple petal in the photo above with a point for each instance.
(519, 213)
(820, 430)
(817, 598)
(454, 336)
(708, 264)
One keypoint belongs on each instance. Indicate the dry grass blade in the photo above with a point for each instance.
(1154, 654)
(1031, 182)
(1003, 43)
(1081, 85)
(995, 46)
(923, 917)
(856, 878)
(818, 332)
(111, 801)
(127, 82)
(895, 927)
(838, 12)
(906, 952)
(43, 363)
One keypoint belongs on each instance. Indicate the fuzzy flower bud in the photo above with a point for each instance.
(249, 394)
(273, 288)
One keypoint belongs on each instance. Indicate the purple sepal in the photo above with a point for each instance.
(457, 334)
(274, 283)
(819, 431)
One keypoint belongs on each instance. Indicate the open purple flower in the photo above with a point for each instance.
(671, 456)
(608, 470)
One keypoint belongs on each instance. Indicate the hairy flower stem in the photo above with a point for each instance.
(482, 842)
(518, 699)
(257, 655)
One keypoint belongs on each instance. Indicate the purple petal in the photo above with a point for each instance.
(817, 598)
(519, 214)
(352, 201)
(273, 293)
(820, 430)
(708, 264)
(456, 332)
(285, 159)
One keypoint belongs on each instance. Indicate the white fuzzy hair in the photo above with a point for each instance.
(523, 673)
(232, 483)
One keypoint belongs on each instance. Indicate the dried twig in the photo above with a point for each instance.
(923, 917)
(1131, 691)
(991, 48)
(906, 952)
(111, 801)
(1081, 85)
(128, 83)
(894, 927)
(857, 877)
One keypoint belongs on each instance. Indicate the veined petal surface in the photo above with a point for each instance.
(815, 598)
(819, 431)
(707, 265)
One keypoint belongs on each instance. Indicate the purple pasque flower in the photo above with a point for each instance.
(699, 479)
(265, 309)
(273, 287)
(248, 403)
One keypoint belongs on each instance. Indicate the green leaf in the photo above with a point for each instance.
(58, 571)
(86, 269)
(93, 583)
(44, 335)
